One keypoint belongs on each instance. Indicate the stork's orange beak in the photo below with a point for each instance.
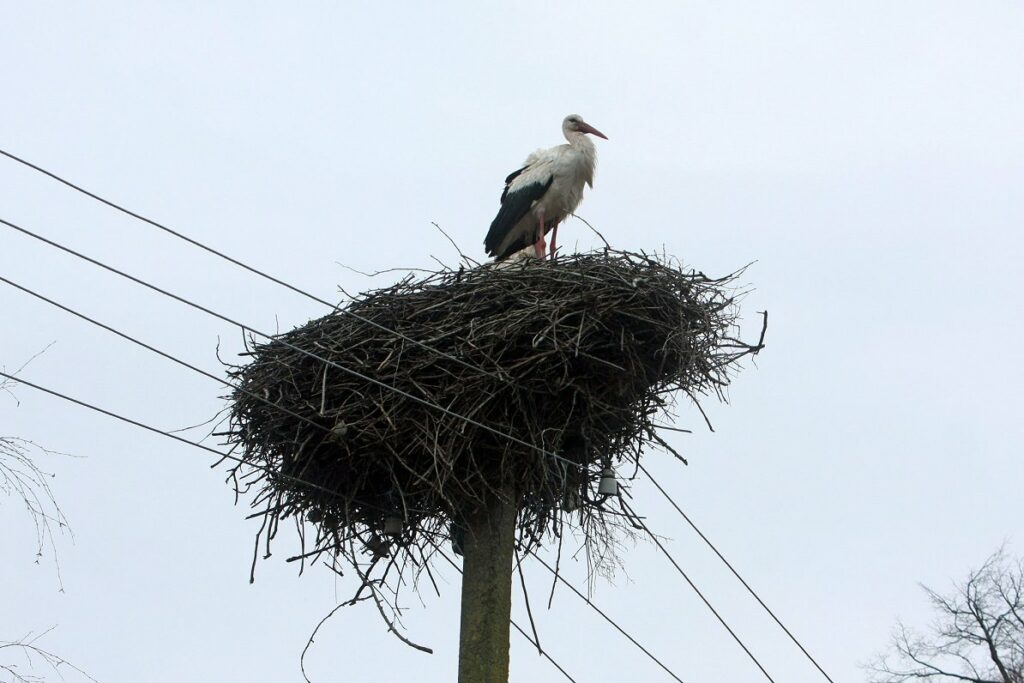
(587, 128)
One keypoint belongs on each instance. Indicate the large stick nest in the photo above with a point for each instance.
(524, 380)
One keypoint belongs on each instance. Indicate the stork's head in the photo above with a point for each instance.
(574, 123)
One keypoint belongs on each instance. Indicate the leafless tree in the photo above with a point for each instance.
(977, 636)
(21, 660)
(23, 481)
(26, 656)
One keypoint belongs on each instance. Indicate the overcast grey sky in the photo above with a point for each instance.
(868, 156)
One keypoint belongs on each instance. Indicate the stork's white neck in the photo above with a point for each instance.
(582, 143)
(578, 139)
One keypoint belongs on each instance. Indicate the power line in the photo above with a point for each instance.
(536, 643)
(606, 617)
(278, 340)
(734, 572)
(542, 652)
(155, 430)
(696, 590)
(241, 264)
(157, 351)
(589, 603)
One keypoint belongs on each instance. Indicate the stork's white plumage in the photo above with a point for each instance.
(543, 192)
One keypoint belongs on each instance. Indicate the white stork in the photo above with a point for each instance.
(543, 192)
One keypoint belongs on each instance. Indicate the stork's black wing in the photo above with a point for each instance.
(515, 203)
(508, 182)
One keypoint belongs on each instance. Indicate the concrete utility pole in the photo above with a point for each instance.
(487, 592)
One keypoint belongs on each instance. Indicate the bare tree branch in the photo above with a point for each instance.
(33, 657)
(24, 481)
(978, 635)
(23, 660)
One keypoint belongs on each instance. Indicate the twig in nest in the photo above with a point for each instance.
(596, 232)
(466, 259)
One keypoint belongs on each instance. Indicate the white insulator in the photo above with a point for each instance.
(608, 486)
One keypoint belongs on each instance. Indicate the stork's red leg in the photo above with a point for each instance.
(554, 236)
(539, 245)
